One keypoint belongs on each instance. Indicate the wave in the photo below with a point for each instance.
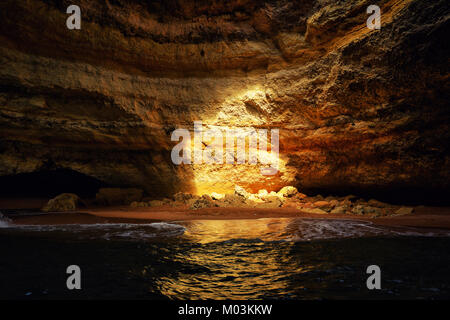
(207, 231)
(4, 221)
(108, 231)
(294, 230)
(319, 229)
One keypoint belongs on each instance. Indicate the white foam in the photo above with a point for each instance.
(4, 221)
(315, 229)
(108, 230)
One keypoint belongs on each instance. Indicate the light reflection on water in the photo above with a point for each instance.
(282, 258)
(235, 270)
(266, 258)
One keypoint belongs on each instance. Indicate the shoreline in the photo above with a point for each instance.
(423, 217)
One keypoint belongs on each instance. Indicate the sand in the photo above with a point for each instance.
(429, 217)
(426, 217)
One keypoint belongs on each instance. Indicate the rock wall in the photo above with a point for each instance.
(357, 109)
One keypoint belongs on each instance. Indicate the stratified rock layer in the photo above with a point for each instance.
(356, 108)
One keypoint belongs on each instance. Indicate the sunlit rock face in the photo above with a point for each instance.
(356, 108)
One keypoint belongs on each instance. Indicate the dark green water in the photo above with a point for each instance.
(241, 259)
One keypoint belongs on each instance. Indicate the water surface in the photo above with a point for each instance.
(285, 258)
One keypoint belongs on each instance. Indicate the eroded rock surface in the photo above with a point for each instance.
(241, 198)
(356, 108)
(63, 202)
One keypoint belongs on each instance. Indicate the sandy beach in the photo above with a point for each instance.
(425, 217)
(428, 217)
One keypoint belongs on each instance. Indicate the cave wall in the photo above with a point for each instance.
(357, 109)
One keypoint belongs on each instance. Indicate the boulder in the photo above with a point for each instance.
(177, 204)
(339, 210)
(255, 198)
(139, 204)
(63, 202)
(262, 193)
(291, 204)
(156, 203)
(314, 211)
(270, 202)
(307, 205)
(167, 201)
(204, 202)
(288, 191)
(325, 205)
(182, 197)
(404, 210)
(364, 209)
(358, 209)
(233, 201)
(301, 195)
(371, 210)
(240, 192)
(217, 196)
(346, 203)
(118, 196)
(333, 203)
(271, 195)
(321, 204)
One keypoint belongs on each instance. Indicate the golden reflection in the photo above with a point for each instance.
(233, 268)
(206, 231)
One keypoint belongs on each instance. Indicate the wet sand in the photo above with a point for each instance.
(426, 217)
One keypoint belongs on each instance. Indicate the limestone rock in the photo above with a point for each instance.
(240, 192)
(232, 201)
(339, 210)
(301, 195)
(314, 210)
(139, 204)
(63, 202)
(262, 193)
(364, 209)
(288, 191)
(404, 210)
(355, 108)
(358, 209)
(183, 197)
(270, 202)
(217, 196)
(255, 198)
(321, 204)
(156, 203)
(204, 202)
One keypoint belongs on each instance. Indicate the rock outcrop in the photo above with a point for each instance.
(357, 109)
(287, 198)
(63, 202)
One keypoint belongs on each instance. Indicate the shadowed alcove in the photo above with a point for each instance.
(48, 184)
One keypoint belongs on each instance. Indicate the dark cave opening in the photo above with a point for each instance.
(48, 184)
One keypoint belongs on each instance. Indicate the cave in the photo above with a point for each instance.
(48, 184)
(225, 150)
(359, 110)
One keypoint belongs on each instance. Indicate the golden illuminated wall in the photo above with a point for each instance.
(234, 121)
